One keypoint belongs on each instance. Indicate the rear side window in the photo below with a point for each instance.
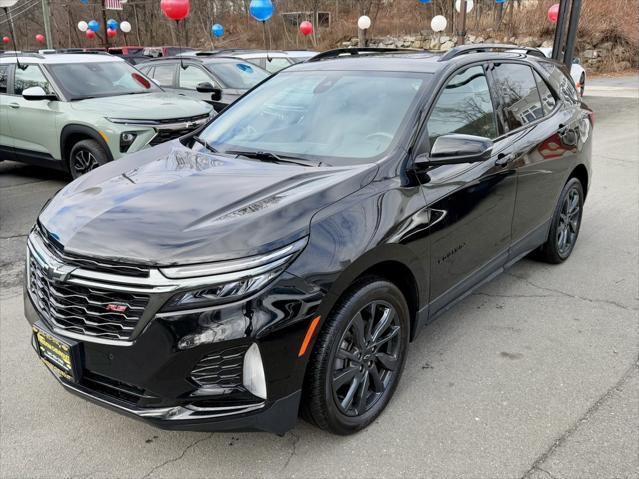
(548, 100)
(163, 74)
(516, 89)
(4, 77)
(464, 106)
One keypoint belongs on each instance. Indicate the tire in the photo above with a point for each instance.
(565, 225)
(85, 156)
(331, 378)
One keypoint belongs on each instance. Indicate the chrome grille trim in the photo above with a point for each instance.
(222, 369)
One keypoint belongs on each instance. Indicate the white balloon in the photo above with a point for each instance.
(438, 23)
(125, 26)
(469, 5)
(123, 1)
(82, 26)
(363, 22)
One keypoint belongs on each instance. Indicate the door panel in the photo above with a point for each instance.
(474, 202)
(41, 142)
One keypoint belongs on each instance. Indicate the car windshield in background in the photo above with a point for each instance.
(240, 75)
(99, 79)
(334, 117)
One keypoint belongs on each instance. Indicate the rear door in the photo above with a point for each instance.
(542, 130)
(473, 203)
(165, 74)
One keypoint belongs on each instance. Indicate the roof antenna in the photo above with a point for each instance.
(177, 23)
(268, 46)
(5, 4)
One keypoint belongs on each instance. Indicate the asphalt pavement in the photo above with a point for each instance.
(536, 375)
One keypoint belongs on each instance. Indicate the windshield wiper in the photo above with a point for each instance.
(270, 157)
(202, 142)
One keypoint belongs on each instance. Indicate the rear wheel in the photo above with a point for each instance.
(565, 225)
(85, 156)
(358, 358)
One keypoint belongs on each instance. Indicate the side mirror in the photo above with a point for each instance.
(456, 149)
(35, 93)
(206, 87)
(576, 61)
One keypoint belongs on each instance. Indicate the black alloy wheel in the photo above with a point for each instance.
(85, 156)
(358, 357)
(367, 358)
(565, 225)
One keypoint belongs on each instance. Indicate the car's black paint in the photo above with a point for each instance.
(436, 233)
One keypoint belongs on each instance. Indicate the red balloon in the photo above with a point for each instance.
(306, 28)
(6, 39)
(90, 34)
(39, 38)
(175, 9)
(111, 33)
(553, 13)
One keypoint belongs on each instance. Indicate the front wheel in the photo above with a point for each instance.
(358, 358)
(565, 225)
(85, 156)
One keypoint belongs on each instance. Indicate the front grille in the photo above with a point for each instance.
(102, 266)
(83, 310)
(184, 119)
(222, 369)
(167, 135)
(113, 387)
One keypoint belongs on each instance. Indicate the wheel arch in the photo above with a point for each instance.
(581, 173)
(73, 133)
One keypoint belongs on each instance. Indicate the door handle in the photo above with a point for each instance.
(503, 160)
(14, 105)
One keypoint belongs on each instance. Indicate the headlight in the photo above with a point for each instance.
(126, 140)
(229, 281)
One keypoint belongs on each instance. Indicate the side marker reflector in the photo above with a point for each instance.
(309, 335)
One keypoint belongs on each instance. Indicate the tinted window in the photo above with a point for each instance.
(325, 115)
(464, 106)
(516, 89)
(240, 75)
(99, 79)
(191, 76)
(29, 77)
(4, 76)
(547, 98)
(163, 74)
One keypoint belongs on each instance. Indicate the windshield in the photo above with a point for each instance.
(239, 75)
(99, 79)
(334, 117)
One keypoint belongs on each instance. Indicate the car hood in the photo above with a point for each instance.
(170, 205)
(145, 106)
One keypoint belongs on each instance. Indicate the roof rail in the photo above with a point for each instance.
(353, 51)
(13, 53)
(488, 47)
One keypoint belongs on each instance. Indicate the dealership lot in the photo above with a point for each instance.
(534, 375)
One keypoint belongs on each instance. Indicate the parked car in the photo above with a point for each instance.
(577, 72)
(271, 61)
(217, 80)
(299, 56)
(285, 256)
(131, 54)
(77, 111)
(165, 51)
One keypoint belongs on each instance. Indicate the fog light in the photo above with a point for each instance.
(126, 140)
(253, 374)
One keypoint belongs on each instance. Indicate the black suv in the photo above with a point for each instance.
(283, 258)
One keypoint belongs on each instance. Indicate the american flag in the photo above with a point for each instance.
(113, 4)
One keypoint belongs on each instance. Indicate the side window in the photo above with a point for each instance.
(276, 64)
(4, 77)
(516, 89)
(163, 74)
(29, 77)
(464, 106)
(548, 100)
(191, 76)
(148, 71)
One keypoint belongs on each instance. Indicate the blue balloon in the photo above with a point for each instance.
(217, 30)
(261, 10)
(84, 2)
(112, 24)
(425, 1)
(94, 25)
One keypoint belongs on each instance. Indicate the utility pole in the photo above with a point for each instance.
(46, 16)
(461, 33)
(104, 24)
